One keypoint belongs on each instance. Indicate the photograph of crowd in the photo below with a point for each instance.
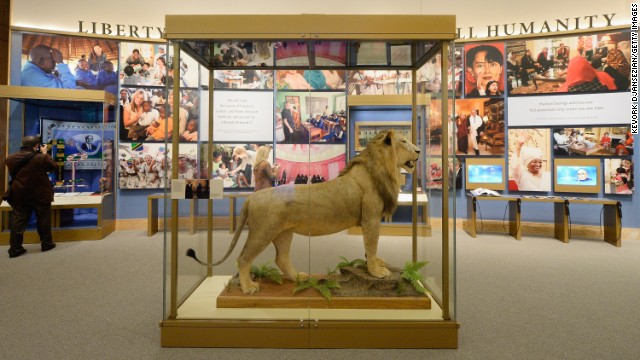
(66, 62)
(601, 141)
(148, 166)
(618, 176)
(379, 82)
(584, 63)
(309, 163)
(148, 64)
(144, 115)
(310, 79)
(234, 53)
(529, 161)
(303, 117)
(234, 163)
(243, 79)
(479, 127)
(483, 69)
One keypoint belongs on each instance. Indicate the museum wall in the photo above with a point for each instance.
(468, 14)
(472, 19)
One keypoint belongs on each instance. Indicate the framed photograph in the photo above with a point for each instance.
(149, 64)
(304, 117)
(593, 141)
(148, 165)
(243, 79)
(310, 79)
(82, 140)
(484, 68)
(233, 164)
(569, 64)
(480, 127)
(309, 163)
(529, 160)
(236, 53)
(380, 82)
(618, 176)
(87, 63)
(144, 117)
(365, 131)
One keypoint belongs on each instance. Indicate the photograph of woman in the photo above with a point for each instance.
(528, 161)
(264, 174)
(483, 64)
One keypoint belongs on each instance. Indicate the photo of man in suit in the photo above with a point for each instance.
(88, 145)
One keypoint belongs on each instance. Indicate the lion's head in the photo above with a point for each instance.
(406, 152)
(384, 156)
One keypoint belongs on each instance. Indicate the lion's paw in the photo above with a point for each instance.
(380, 262)
(251, 287)
(302, 276)
(379, 271)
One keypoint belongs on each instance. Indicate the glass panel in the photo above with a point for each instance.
(320, 105)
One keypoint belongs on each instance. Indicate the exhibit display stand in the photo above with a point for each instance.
(83, 144)
(318, 97)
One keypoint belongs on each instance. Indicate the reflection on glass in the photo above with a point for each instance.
(380, 82)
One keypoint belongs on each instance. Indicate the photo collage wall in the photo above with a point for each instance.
(510, 98)
(512, 95)
(146, 110)
(308, 124)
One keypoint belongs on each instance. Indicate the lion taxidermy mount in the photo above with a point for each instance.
(366, 190)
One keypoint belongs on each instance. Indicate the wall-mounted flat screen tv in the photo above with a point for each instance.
(488, 173)
(577, 175)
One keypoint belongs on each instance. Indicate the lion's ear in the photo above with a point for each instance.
(389, 138)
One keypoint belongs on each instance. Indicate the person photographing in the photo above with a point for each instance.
(31, 191)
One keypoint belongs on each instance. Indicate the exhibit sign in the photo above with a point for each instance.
(243, 116)
(583, 109)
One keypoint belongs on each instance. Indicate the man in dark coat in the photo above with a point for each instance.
(31, 191)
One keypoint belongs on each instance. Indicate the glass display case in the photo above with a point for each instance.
(321, 143)
(79, 130)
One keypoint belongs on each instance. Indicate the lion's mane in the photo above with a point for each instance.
(380, 160)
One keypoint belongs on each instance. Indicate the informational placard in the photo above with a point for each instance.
(217, 188)
(243, 116)
(178, 189)
(580, 109)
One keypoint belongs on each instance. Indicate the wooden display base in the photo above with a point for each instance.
(273, 295)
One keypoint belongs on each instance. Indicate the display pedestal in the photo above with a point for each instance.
(281, 296)
(104, 226)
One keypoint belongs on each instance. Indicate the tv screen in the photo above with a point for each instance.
(577, 175)
(485, 173)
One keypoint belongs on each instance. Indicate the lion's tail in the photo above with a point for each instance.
(244, 215)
